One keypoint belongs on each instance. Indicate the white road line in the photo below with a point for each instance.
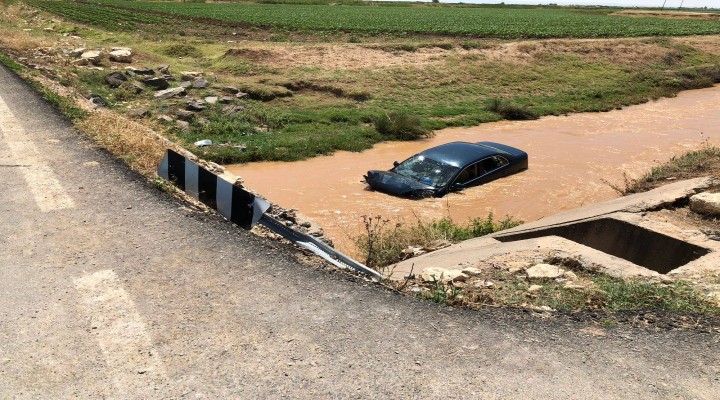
(45, 187)
(135, 366)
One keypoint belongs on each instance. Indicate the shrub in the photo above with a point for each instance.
(400, 126)
(510, 111)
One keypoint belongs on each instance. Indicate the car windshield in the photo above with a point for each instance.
(426, 170)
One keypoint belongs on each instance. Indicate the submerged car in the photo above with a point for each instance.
(449, 167)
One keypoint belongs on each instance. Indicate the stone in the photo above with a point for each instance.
(541, 271)
(230, 89)
(165, 118)
(81, 62)
(121, 55)
(190, 75)
(573, 285)
(706, 203)
(569, 275)
(169, 93)
(141, 71)
(184, 115)
(232, 110)
(211, 100)
(200, 83)
(93, 57)
(139, 112)
(534, 288)
(241, 95)
(471, 271)
(443, 275)
(225, 100)
(183, 125)
(75, 53)
(517, 266)
(185, 84)
(163, 69)
(195, 105)
(96, 100)
(157, 83)
(115, 79)
(135, 87)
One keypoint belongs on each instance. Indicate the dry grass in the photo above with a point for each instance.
(19, 41)
(667, 14)
(139, 147)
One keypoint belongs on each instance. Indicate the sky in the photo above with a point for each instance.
(624, 3)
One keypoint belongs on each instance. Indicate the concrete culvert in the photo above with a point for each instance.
(646, 248)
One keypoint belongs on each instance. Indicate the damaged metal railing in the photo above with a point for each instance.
(244, 208)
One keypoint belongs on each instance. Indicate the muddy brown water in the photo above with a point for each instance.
(571, 158)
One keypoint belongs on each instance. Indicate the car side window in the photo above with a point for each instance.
(468, 174)
(494, 162)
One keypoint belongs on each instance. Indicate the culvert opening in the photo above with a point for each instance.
(638, 245)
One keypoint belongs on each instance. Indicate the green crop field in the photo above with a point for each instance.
(502, 22)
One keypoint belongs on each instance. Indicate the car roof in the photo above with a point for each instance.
(460, 154)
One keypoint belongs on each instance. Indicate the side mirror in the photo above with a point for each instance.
(395, 163)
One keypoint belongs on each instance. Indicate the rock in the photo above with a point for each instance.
(573, 285)
(141, 71)
(265, 129)
(157, 83)
(413, 251)
(163, 69)
(81, 62)
(240, 95)
(165, 118)
(138, 112)
(115, 79)
(93, 57)
(517, 266)
(569, 275)
(168, 93)
(134, 87)
(190, 75)
(211, 99)
(534, 288)
(232, 110)
(195, 105)
(706, 203)
(183, 125)
(184, 115)
(471, 271)
(121, 55)
(442, 275)
(75, 53)
(185, 84)
(226, 100)
(200, 83)
(541, 271)
(96, 100)
(230, 89)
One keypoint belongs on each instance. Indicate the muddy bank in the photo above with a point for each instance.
(570, 158)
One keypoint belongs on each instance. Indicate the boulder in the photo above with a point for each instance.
(138, 112)
(184, 115)
(75, 53)
(121, 55)
(195, 105)
(168, 93)
(163, 69)
(544, 271)
(706, 203)
(115, 79)
(157, 83)
(185, 84)
(165, 118)
(92, 57)
(200, 83)
(443, 275)
(183, 125)
(211, 99)
(190, 75)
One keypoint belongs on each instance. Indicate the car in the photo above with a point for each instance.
(449, 167)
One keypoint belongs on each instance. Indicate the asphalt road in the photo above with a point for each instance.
(111, 288)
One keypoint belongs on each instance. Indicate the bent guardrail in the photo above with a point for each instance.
(244, 208)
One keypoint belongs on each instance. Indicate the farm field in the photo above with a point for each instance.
(501, 22)
(315, 85)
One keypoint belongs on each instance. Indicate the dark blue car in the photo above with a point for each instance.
(448, 167)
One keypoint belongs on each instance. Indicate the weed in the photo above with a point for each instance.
(400, 126)
(510, 111)
(182, 50)
(440, 292)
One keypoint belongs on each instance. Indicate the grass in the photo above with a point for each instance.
(384, 243)
(693, 164)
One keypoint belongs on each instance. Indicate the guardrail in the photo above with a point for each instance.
(244, 208)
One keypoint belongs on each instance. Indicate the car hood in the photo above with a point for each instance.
(392, 183)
